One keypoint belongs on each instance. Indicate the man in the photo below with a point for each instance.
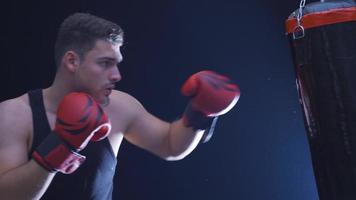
(64, 139)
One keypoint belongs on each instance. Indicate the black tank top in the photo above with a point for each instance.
(92, 180)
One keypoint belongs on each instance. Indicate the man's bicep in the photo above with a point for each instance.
(148, 132)
(12, 155)
(13, 139)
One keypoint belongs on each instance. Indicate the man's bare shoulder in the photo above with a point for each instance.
(15, 113)
(124, 100)
(123, 106)
(15, 106)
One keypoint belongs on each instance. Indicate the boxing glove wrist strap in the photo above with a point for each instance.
(195, 119)
(55, 155)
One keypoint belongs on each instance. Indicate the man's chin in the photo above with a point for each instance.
(105, 101)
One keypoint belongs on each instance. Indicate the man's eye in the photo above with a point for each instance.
(105, 64)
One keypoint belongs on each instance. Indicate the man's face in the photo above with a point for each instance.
(98, 71)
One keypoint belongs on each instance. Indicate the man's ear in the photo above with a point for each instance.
(71, 60)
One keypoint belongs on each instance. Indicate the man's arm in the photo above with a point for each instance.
(211, 95)
(20, 178)
(58, 152)
(170, 141)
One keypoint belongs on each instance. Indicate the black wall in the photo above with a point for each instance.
(259, 150)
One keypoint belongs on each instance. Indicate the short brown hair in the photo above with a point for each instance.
(80, 31)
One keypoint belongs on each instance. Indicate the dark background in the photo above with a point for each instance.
(259, 150)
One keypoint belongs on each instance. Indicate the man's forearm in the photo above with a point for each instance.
(28, 181)
(182, 140)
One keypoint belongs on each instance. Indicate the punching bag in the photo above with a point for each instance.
(322, 37)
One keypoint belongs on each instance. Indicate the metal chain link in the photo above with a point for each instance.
(300, 11)
(298, 31)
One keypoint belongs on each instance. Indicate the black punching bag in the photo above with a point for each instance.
(322, 37)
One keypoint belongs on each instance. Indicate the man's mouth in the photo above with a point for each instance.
(108, 90)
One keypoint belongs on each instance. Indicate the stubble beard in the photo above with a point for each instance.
(105, 102)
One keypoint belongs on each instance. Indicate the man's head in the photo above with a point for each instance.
(87, 54)
(80, 31)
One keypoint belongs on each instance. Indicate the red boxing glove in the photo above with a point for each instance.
(79, 120)
(211, 95)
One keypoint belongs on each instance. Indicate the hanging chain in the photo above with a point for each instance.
(300, 11)
(298, 31)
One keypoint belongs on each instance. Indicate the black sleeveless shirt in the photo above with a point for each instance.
(93, 180)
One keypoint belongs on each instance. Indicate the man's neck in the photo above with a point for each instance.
(54, 94)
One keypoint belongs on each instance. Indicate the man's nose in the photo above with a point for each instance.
(115, 75)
